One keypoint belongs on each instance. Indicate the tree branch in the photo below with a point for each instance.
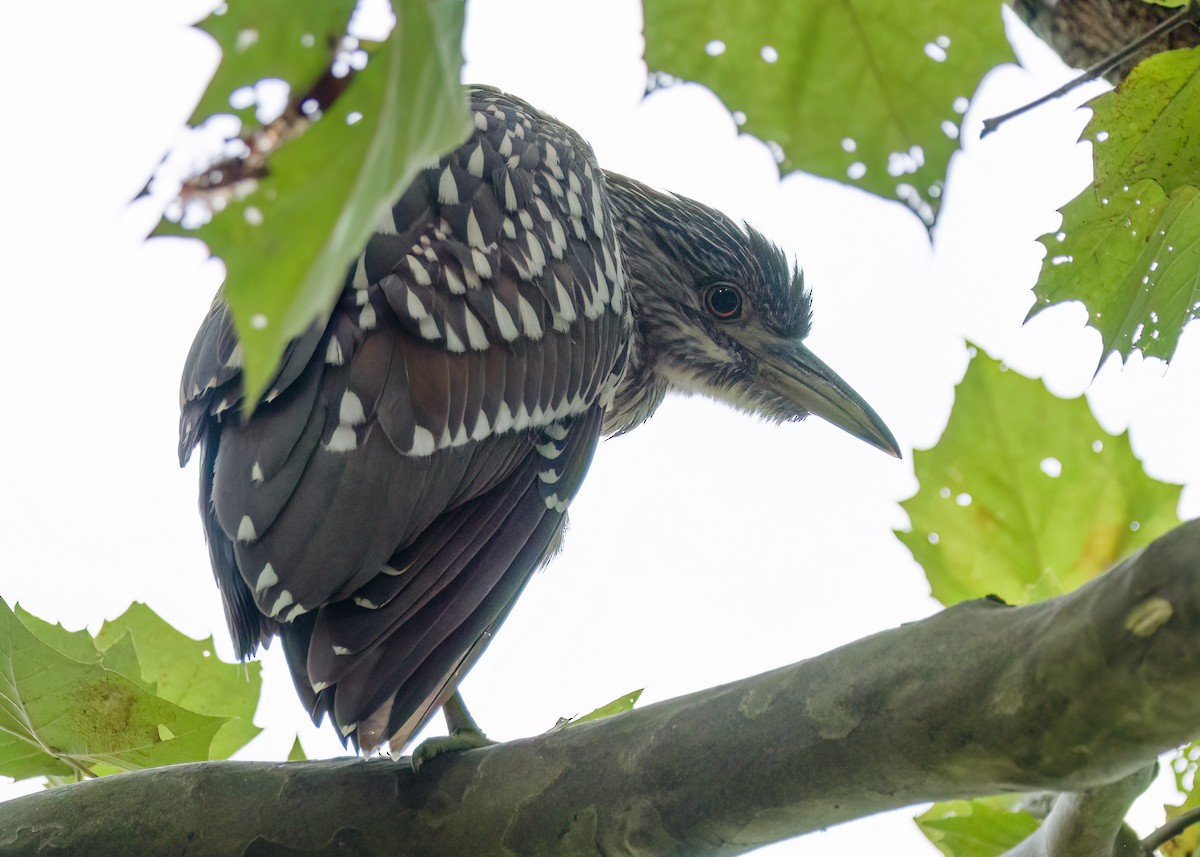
(1067, 695)
(1085, 32)
(1089, 823)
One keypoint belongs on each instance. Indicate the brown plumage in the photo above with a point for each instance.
(412, 463)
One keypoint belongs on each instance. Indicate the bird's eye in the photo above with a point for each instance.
(723, 303)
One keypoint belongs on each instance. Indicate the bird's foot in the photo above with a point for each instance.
(460, 739)
(465, 734)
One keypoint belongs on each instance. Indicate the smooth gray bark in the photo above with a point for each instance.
(1067, 695)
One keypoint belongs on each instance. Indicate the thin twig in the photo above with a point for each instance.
(1170, 830)
(1098, 69)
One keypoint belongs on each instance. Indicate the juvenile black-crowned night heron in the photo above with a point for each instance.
(413, 460)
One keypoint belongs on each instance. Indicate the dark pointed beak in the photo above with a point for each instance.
(800, 377)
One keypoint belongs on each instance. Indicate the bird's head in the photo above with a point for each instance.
(721, 313)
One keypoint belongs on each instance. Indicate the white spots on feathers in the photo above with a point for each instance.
(504, 321)
(365, 603)
(482, 428)
(366, 318)
(343, 439)
(256, 472)
(266, 579)
(510, 193)
(333, 352)
(549, 476)
(526, 218)
(297, 610)
(392, 571)
(529, 318)
(510, 228)
(415, 308)
(475, 332)
(474, 233)
(610, 270)
(429, 328)
(522, 418)
(246, 532)
(558, 239)
(420, 275)
(423, 442)
(549, 450)
(505, 147)
(284, 600)
(234, 360)
(566, 308)
(597, 211)
(475, 162)
(537, 256)
(482, 266)
(453, 281)
(574, 206)
(551, 158)
(556, 431)
(351, 412)
(447, 188)
(342, 650)
(481, 122)
(504, 419)
(555, 504)
(453, 342)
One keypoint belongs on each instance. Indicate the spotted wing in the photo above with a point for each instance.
(394, 491)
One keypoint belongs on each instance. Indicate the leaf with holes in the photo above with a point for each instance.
(1129, 248)
(985, 827)
(1133, 259)
(59, 716)
(1025, 496)
(188, 673)
(865, 92)
(1147, 128)
(288, 243)
(284, 39)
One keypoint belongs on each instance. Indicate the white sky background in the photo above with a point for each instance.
(705, 546)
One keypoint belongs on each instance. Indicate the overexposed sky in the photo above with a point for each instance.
(705, 546)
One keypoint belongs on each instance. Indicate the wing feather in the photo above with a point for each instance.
(393, 492)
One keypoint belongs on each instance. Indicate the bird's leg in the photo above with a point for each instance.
(465, 733)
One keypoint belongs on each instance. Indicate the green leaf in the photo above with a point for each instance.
(985, 827)
(76, 645)
(618, 706)
(292, 40)
(1146, 129)
(296, 754)
(1025, 496)
(1129, 248)
(1184, 766)
(287, 244)
(59, 716)
(188, 673)
(867, 92)
(1133, 259)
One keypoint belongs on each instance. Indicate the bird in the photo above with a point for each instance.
(411, 463)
